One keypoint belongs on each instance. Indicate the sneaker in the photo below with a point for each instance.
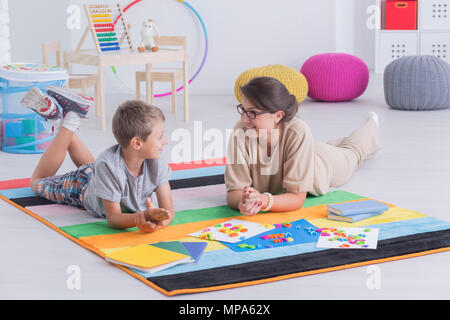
(43, 105)
(70, 101)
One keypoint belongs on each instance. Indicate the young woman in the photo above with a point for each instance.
(273, 160)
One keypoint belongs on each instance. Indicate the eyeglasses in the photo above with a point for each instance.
(250, 114)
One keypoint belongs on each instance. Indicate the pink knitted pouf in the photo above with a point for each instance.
(335, 77)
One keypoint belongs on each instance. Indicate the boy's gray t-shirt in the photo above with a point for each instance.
(113, 181)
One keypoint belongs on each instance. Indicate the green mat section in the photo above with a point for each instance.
(93, 229)
(188, 216)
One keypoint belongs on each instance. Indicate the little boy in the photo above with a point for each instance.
(119, 183)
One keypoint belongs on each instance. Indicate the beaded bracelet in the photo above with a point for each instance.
(270, 204)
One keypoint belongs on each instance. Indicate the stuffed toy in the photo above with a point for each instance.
(148, 43)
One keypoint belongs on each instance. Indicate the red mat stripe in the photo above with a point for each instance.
(14, 184)
(198, 164)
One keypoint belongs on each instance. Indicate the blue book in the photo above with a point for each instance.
(353, 218)
(357, 207)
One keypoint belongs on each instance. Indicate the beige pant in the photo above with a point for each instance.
(343, 156)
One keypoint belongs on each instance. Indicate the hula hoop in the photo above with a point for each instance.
(206, 43)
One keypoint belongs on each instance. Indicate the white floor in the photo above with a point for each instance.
(412, 171)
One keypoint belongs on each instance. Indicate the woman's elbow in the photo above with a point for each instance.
(298, 201)
(294, 206)
(298, 205)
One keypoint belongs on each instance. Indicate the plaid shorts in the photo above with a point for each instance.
(68, 188)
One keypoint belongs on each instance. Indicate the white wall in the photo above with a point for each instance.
(345, 24)
(35, 22)
(352, 33)
(242, 34)
(364, 38)
(5, 45)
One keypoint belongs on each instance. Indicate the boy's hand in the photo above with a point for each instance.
(143, 224)
(155, 214)
(251, 202)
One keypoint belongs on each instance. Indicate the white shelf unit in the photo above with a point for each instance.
(432, 36)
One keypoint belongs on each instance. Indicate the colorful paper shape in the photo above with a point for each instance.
(175, 246)
(232, 231)
(192, 249)
(195, 249)
(348, 238)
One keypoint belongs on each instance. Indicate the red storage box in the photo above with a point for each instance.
(401, 15)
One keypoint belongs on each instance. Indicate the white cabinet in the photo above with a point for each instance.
(436, 44)
(394, 45)
(434, 14)
(431, 38)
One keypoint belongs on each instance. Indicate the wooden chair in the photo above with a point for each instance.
(165, 74)
(76, 81)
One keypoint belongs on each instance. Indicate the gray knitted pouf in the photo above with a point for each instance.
(417, 83)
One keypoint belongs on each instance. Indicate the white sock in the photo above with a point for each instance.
(374, 116)
(71, 121)
(55, 123)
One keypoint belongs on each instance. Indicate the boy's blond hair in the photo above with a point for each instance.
(134, 118)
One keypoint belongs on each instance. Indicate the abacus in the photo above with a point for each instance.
(108, 28)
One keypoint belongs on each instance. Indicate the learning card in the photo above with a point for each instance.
(348, 238)
(233, 230)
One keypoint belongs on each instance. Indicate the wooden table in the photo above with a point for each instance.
(126, 57)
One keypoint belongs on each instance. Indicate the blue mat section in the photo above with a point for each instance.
(194, 173)
(227, 257)
(408, 227)
(296, 231)
(17, 193)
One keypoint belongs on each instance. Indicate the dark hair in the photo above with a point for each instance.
(269, 94)
(134, 118)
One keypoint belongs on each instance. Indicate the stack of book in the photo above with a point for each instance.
(355, 211)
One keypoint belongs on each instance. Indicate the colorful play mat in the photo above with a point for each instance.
(403, 233)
